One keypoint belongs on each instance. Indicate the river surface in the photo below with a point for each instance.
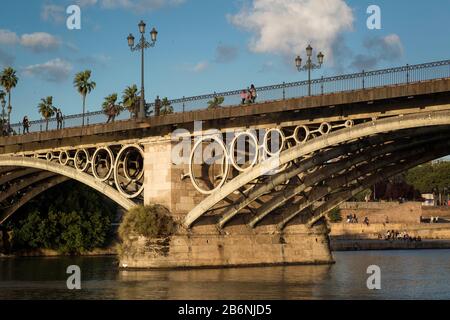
(415, 274)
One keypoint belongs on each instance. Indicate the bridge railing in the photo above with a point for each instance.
(349, 82)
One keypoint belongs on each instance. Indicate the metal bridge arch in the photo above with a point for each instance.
(71, 173)
(385, 125)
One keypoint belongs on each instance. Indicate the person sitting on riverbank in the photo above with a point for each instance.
(393, 235)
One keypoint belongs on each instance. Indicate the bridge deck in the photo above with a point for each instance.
(351, 104)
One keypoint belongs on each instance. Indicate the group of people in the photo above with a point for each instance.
(249, 96)
(352, 218)
(59, 121)
(395, 235)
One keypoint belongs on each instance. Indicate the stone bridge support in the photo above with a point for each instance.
(165, 181)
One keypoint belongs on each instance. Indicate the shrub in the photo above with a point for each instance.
(153, 221)
(335, 215)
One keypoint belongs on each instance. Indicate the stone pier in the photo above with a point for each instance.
(236, 247)
(204, 245)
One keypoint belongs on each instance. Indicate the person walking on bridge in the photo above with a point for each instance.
(253, 93)
(158, 104)
(26, 125)
(59, 119)
(243, 96)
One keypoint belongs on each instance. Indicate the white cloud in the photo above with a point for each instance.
(392, 46)
(53, 13)
(139, 5)
(39, 41)
(286, 27)
(199, 67)
(8, 37)
(54, 70)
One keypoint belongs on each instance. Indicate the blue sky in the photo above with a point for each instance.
(205, 46)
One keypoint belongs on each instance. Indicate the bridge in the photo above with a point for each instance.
(249, 184)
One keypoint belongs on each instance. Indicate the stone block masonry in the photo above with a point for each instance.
(206, 247)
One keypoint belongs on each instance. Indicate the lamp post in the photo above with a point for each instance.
(142, 45)
(309, 64)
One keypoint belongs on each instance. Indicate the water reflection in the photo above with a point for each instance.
(244, 283)
(405, 275)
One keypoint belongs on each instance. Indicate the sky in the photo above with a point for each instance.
(205, 46)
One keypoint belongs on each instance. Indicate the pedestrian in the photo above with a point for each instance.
(243, 96)
(26, 125)
(248, 97)
(59, 119)
(111, 113)
(157, 106)
(253, 93)
(366, 221)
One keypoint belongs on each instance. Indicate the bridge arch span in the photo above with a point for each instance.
(361, 131)
(69, 173)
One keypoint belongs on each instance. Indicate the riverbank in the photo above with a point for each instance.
(343, 237)
(359, 236)
(40, 253)
(367, 245)
(361, 231)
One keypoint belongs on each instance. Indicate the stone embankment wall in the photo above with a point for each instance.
(408, 212)
(352, 231)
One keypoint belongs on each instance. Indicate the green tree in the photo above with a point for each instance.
(216, 102)
(70, 219)
(8, 80)
(429, 176)
(130, 99)
(46, 109)
(84, 86)
(166, 107)
(110, 107)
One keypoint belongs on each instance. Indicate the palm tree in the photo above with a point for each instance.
(216, 102)
(166, 107)
(46, 109)
(84, 86)
(130, 99)
(110, 108)
(8, 80)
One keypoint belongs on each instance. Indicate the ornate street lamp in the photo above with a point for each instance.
(142, 45)
(309, 64)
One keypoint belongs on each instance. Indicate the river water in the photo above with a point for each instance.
(411, 274)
